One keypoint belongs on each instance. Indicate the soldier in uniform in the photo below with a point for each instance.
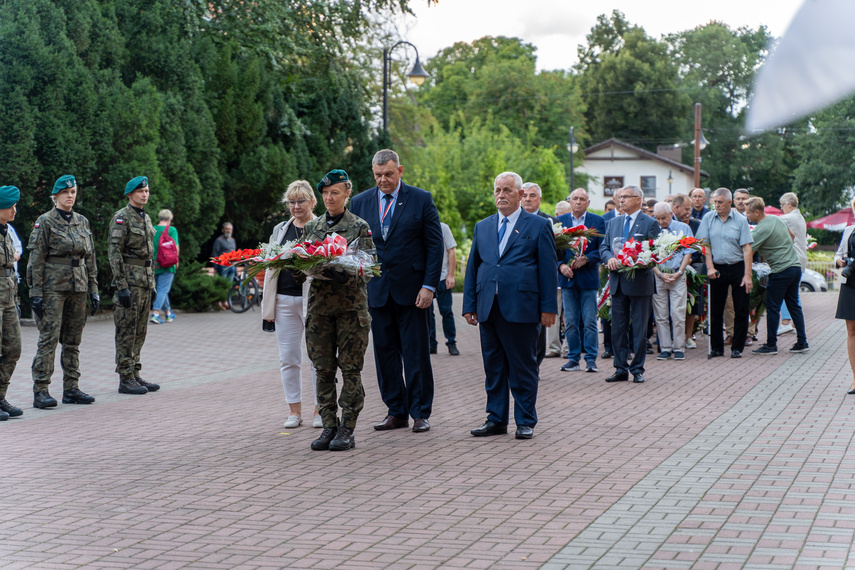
(131, 251)
(10, 329)
(60, 272)
(338, 321)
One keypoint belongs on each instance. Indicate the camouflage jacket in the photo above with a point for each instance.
(8, 285)
(130, 237)
(53, 237)
(327, 297)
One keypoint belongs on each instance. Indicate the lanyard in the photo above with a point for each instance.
(388, 207)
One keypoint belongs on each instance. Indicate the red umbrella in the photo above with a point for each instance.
(773, 211)
(835, 222)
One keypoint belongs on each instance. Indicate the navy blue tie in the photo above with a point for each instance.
(502, 230)
(387, 216)
(626, 225)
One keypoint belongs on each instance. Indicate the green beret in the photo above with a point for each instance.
(332, 177)
(135, 183)
(63, 183)
(9, 196)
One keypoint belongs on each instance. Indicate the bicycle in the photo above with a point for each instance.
(242, 297)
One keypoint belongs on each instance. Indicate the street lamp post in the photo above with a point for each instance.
(700, 143)
(670, 181)
(417, 75)
(573, 148)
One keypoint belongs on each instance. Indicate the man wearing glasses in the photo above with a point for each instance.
(631, 297)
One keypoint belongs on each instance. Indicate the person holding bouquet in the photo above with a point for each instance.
(338, 322)
(283, 306)
(631, 296)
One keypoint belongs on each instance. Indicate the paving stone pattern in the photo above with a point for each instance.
(709, 464)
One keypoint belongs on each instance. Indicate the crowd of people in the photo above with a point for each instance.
(517, 284)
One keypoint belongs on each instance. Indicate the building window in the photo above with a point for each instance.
(611, 184)
(648, 185)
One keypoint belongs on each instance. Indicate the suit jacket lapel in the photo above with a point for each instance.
(522, 222)
(491, 238)
(403, 194)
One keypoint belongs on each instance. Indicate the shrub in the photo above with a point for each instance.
(195, 290)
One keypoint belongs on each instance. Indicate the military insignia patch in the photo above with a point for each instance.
(36, 225)
(120, 221)
(326, 181)
(69, 183)
(144, 184)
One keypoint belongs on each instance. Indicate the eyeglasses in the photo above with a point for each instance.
(293, 203)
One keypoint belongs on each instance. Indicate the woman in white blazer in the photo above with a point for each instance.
(284, 304)
(846, 299)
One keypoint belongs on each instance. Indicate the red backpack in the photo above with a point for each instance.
(167, 251)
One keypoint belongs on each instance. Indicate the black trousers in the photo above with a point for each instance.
(730, 276)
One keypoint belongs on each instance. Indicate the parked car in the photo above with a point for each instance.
(812, 281)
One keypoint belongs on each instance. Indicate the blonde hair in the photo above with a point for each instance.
(300, 189)
(164, 216)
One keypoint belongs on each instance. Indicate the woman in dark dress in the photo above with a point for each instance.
(846, 299)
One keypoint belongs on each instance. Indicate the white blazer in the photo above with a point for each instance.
(843, 249)
(268, 302)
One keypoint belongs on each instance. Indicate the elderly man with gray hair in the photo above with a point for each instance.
(671, 293)
(796, 223)
(728, 261)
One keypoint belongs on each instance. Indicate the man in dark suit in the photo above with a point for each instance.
(548, 338)
(509, 289)
(631, 298)
(579, 279)
(699, 198)
(408, 238)
(608, 352)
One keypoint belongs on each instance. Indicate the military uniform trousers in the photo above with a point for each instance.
(63, 321)
(10, 345)
(131, 328)
(338, 341)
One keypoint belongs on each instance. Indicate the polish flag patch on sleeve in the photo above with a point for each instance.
(36, 224)
(120, 221)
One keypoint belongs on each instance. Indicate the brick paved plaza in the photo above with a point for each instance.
(709, 464)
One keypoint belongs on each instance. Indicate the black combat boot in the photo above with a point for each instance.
(344, 440)
(130, 386)
(75, 396)
(9, 409)
(150, 386)
(43, 400)
(323, 442)
(3, 416)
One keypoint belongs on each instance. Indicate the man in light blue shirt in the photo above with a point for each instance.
(671, 292)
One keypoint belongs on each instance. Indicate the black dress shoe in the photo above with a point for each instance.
(715, 353)
(323, 442)
(3, 416)
(735, 354)
(607, 354)
(638, 378)
(43, 400)
(524, 432)
(852, 391)
(433, 350)
(618, 377)
(75, 396)
(490, 428)
(344, 440)
(131, 386)
(420, 425)
(391, 422)
(150, 386)
(10, 409)
(452, 349)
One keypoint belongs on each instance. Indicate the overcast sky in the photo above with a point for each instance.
(556, 27)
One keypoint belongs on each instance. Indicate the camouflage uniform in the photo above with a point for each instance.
(337, 326)
(62, 271)
(131, 251)
(10, 346)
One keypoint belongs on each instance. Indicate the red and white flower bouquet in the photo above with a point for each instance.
(575, 239)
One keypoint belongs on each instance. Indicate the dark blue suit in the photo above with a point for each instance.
(631, 298)
(410, 258)
(579, 293)
(508, 295)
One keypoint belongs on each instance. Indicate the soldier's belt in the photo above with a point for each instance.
(138, 262)
(65, 261)
(6, 272)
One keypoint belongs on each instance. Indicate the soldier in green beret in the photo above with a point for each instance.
(10, 328)
(131, 254)
(60, 272)
(338, 322)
